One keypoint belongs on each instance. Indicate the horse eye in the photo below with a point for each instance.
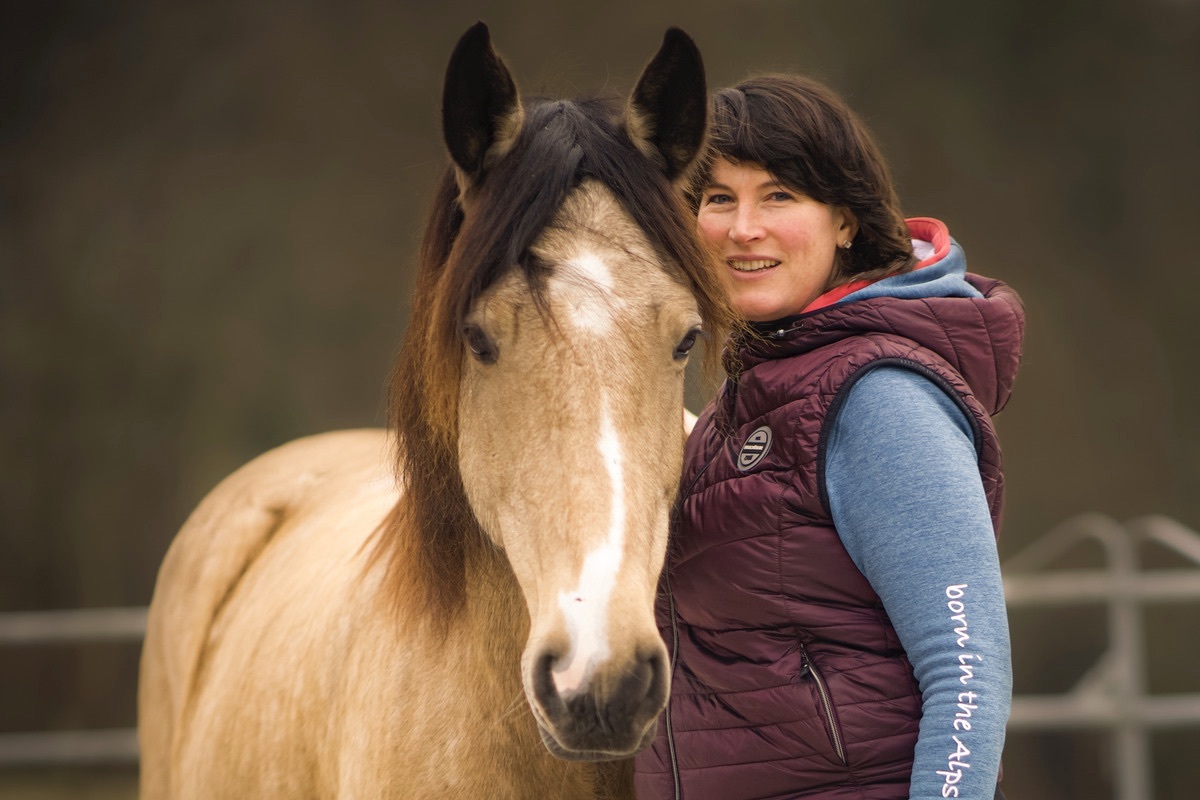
(686, 344)
(480, 344)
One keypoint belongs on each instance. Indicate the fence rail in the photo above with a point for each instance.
(1110, 696)
(69, 748)
(70, 627)
(74, 626)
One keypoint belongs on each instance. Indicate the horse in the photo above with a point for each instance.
(462, 605)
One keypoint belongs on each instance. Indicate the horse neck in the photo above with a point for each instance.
(493, 604)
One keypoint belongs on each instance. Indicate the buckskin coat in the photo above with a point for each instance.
(788, 678)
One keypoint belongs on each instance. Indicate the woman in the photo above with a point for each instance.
(832, 596)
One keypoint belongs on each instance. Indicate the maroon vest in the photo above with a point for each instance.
(788, 679)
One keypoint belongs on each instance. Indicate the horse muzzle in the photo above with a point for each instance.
(614, 715)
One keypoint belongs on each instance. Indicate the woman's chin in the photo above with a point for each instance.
(759, 309)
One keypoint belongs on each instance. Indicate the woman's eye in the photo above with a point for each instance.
(482, 348)
(686, 344)
(718, 198)
(779, 196)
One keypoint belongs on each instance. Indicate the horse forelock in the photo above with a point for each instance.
(561, 144)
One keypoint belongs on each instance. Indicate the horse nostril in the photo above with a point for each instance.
(544, 687)
(652, 683)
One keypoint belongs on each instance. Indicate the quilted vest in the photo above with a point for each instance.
(788, 679)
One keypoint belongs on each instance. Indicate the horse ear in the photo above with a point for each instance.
(481, 112)
(667, 116)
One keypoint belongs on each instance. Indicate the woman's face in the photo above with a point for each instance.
(779, 245)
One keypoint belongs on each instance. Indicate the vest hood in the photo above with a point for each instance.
(980, 337)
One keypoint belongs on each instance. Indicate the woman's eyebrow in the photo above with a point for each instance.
(759, 187)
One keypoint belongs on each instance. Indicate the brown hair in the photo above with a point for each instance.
(809, 140)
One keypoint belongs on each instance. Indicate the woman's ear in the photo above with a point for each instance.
(847, 225)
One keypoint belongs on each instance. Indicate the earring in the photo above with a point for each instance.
(846, 244)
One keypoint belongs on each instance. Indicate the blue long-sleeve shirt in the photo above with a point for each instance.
(907, 500)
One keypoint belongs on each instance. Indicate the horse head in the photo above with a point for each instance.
(565, 289)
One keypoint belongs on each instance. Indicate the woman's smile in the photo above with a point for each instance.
(751, 264)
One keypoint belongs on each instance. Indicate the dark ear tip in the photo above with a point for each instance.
(678, 38)
(476, 38)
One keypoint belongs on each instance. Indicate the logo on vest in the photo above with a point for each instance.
(757, 445)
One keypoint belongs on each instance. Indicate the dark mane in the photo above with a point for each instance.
(561, 143)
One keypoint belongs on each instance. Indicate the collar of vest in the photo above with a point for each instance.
(987, 358)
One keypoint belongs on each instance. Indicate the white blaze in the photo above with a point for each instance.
(585, 608)
(586, 285)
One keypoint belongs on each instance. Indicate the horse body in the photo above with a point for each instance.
(317, 631)
(301, 687)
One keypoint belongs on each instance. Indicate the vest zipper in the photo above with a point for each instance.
(831, 727)
(670, 730)
(675, 777)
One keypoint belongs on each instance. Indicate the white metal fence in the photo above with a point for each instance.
(80, 626)
(1111, 696)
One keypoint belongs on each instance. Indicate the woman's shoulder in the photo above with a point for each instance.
(892, 402)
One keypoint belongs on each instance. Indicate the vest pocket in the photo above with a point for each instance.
(809, 671)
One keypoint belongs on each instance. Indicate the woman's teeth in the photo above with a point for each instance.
(752, 266)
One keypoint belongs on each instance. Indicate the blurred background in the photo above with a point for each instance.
(209, 213)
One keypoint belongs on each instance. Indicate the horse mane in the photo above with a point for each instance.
(432, 535)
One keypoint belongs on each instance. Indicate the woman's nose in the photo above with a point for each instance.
(745, 226)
